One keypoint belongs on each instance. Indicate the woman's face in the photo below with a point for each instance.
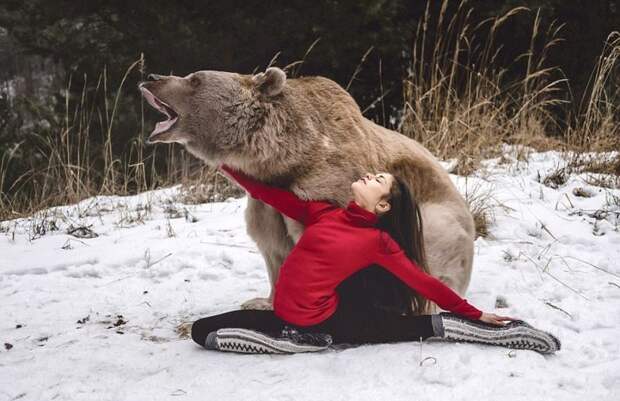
(369, 190)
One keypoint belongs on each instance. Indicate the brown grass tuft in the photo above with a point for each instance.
(481, 204)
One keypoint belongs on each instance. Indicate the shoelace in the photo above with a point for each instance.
(305, 338)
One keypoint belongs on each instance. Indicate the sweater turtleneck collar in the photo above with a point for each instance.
(360, 216)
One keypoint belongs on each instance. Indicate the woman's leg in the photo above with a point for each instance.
(259, 320)
(369, 313)
(378, 327)
(255, 332)
(349, 326)
(517, 334)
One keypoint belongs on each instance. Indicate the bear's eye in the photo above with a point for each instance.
(194, 81)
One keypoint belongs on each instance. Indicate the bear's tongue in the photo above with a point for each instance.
(163, 126)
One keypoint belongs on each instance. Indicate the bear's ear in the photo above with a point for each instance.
(271, 82)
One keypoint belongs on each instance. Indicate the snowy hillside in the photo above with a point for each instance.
(96, 318)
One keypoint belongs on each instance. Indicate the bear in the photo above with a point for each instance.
(307, 135)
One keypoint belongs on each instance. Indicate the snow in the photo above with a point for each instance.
(96, 318)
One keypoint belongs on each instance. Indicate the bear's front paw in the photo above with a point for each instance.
(258, 304)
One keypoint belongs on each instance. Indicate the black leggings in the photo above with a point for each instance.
(346, 325)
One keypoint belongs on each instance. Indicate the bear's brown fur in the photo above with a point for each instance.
(308, 135)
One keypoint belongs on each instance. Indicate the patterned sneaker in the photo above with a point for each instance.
(247, 341)
(516, 334)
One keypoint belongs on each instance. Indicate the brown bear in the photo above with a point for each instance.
(307, 135)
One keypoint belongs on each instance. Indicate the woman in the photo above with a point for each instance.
(380, 226)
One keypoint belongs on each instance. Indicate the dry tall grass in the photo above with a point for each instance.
(596, 125)
(459, 103)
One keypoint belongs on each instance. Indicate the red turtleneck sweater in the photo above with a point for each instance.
(336, 243)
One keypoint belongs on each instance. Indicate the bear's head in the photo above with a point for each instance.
(213, 113)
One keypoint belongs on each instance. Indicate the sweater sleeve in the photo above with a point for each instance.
(286, 202)
(396, 261)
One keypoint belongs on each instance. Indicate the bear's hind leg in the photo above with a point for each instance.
(449, 247)
(266, 227)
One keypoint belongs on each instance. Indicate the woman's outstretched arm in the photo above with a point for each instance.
(396, 261)
(284, 201)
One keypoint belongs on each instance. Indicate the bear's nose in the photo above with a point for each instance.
(155, 77)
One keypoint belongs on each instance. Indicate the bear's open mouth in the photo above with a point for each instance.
(163, 108)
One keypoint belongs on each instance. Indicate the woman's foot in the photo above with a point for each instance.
(516, 334)
(254, 342)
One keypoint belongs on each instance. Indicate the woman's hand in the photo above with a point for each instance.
(494, 319)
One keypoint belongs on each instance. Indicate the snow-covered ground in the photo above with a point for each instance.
(96, 318)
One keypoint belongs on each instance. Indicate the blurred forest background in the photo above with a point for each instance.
(459, 76)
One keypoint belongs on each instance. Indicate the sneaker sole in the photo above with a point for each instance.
(518, 335)
(253, 342)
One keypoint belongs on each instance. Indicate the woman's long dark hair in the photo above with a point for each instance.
(375, 287)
